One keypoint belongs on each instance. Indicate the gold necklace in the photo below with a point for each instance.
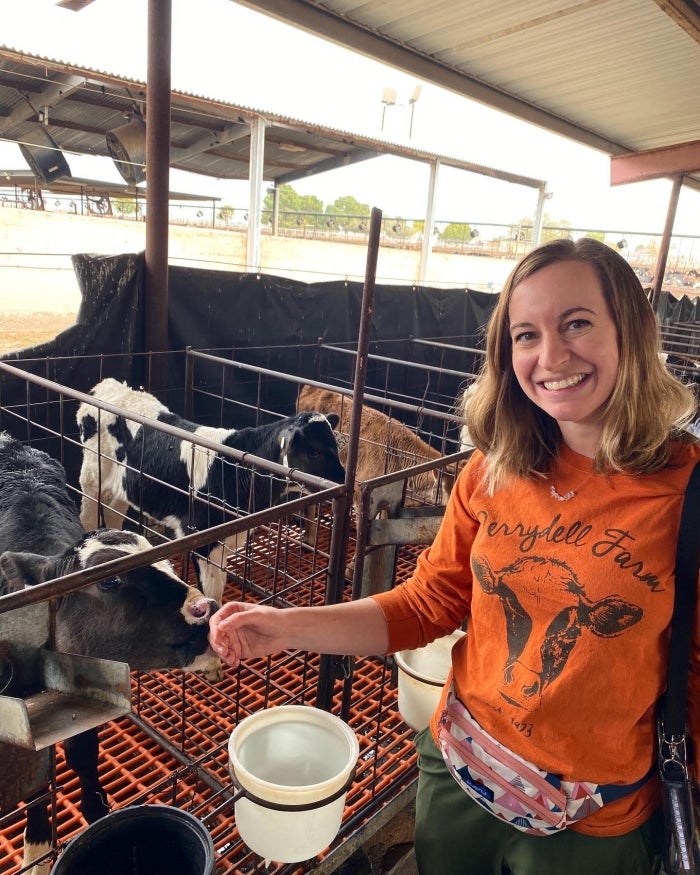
(567, 496)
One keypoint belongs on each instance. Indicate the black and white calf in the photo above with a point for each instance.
(127, 466)
(146, 617)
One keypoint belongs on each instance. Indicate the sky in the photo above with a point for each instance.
(225, 51)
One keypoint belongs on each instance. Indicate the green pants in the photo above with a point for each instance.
(456, 836)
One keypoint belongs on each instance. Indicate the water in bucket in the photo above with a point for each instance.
(276, 755)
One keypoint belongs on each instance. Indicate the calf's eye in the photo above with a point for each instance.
(110, 584)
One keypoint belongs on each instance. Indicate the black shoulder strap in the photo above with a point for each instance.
(687, 558)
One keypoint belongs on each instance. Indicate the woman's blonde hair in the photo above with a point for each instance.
(647, 410)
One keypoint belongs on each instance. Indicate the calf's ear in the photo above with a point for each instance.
(26, 569)
(333, 419)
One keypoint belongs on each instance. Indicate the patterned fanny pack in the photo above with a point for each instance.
(509, 786)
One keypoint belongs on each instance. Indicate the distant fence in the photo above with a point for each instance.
(473, 237)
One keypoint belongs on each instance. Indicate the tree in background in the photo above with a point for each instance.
(522, 230)
(349, 214)
(125, 206)
(456, 233)
(295, 209)
(225, 214)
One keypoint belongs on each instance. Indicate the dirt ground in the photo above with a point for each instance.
(21, 330)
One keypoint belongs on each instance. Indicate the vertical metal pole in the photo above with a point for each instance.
(275, 211)
(189, 384)
(665, 242)
(539, 215)
(339, 535)
(256, 165)
(427, 244)
(158, 185)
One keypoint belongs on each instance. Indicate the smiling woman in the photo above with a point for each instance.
(564, 513)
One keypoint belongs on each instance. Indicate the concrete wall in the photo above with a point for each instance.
(36, 273)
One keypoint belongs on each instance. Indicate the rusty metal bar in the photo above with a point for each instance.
(303, 381)
(79, 579)
(402, 362)
(680, 158)
(179, 433)
(158, 183)
(665, 242)
(421, 341)
(339, 535)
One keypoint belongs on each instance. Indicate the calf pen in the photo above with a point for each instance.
(426, 406)
(172, 746)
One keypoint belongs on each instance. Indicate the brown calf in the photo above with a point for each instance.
(385, 446)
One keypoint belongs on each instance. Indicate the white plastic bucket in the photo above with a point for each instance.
(291, 755)
(422, 675)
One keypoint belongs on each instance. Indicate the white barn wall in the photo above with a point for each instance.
(36, 274)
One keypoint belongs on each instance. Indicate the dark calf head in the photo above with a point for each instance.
(146, 617)
(308, 444)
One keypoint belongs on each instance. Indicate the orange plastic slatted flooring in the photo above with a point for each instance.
(135, 768)
(194, 718)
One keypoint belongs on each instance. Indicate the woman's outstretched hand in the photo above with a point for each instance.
(241, 630)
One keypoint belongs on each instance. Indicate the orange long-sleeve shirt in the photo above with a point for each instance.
(568, 605)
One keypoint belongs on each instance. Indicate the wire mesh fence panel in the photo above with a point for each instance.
(172, 747)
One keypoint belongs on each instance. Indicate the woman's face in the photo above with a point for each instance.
(565, 348)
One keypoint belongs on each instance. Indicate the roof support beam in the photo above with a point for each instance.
(673, 161)
(330, 164)
(539, 215)
(655, 163)
(49, 97)
(686, 14)
(208, 141)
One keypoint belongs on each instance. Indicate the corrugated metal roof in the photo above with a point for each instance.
(77, 106)
(618, 75)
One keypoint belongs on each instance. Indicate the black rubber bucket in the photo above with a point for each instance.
(140, 840)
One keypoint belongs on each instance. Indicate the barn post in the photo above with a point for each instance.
(256, 169)
(660, 269)
(427, 242)
(157, 187)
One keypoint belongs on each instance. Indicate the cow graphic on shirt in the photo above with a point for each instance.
(536, 661)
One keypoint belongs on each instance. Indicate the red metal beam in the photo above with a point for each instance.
(158, 181)
(655, 163)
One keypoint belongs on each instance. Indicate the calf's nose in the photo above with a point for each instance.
(202, 608)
